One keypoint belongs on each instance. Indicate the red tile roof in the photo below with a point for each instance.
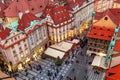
(59, 14)
(73, 3)
(23, 5)
(114, 14)
(118, 33)
(25, 20)
(11, 11)
(101, 33)
(4, 33)
(7, 2)
(118, 1)
(115, 75)
(117, 46)
(2, 7)
(38, 5)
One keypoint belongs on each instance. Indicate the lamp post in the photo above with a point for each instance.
(91, 22)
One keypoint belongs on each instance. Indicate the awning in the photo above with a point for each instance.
(99, 62)
(54, 53)
(64, 46)
(58, 49)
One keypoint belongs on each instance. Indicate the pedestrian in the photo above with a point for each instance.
(55, 74)
(74, 77)
(49, 78)
(61, 77)
(57, 70)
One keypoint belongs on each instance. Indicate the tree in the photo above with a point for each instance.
(58, 61)
(43, 56)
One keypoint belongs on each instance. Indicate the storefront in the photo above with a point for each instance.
(37, 52)
(83, 27)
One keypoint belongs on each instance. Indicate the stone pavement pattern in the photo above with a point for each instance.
(64, 70)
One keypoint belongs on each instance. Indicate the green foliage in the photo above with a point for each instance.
(43, 56)
(58, 61)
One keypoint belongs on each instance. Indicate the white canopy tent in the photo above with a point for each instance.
(64, 46)
(99, 62)
(54, 53)
(58, 49)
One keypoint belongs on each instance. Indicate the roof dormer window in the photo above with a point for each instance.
(102, 35)
(40, 6)
(32, 9)
(106, 18)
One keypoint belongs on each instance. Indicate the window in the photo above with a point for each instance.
(94, 33)
(94, 49)
(12, 47)
(101, 29)
(94, 27)
(108, 29)
(21, 54)
(19, 43)
(102, 35)
(20, 48)
(15, 38)
(11, 40)
(14, 52)
(90, 49)
(16, 58)
(40, 6)
(109, 36)
(26, 51)
(18, 37)
(25, 46)
(24, 40)
(106, 18)
(32, 9)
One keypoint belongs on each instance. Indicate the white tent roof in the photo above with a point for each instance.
(64, 46)
(54, 53)
(58, 49)
(99, 61)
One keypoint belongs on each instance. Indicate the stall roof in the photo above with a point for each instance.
(64, 46)
(54, 53)
(58, 49)
(99, 62)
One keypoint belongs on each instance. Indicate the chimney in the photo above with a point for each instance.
(20, 14)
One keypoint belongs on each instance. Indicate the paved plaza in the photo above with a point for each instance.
(78, 62)
(34, 74)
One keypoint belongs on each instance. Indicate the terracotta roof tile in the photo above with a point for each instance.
(4, 33)
(59, 14)
(11, 11)
(118, 1)
(100, 33)
(116, 75)
(114, 14)
(2, 6)
(22, 5)
(117, 46)
(38, 5)
(34, 6)
(73, 3)
(25, 20)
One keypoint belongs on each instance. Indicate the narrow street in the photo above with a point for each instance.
(83, 70)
